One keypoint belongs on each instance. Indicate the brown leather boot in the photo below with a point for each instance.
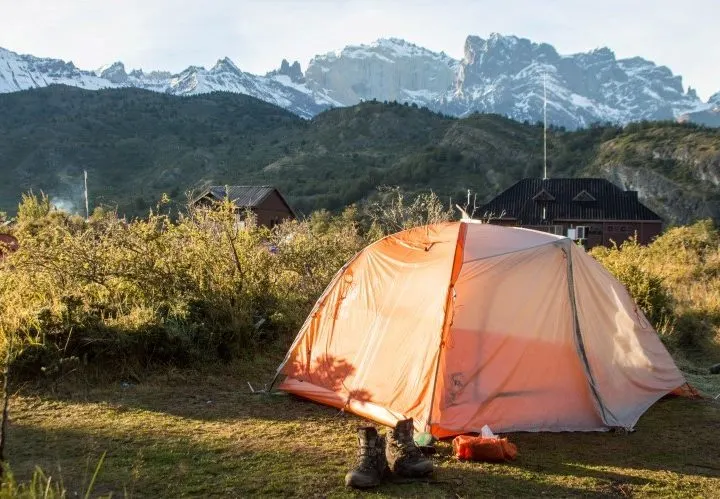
(403, 456)
(371, 464)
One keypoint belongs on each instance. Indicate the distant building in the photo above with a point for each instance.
(264, 201)
(8, 244)
(592, 210)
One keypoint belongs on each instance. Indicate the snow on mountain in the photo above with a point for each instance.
(500, 74)
(504, 74)
(21, 72)
(389, 69)
(708, 114)
(714, 100)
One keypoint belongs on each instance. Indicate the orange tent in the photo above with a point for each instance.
(464, 324)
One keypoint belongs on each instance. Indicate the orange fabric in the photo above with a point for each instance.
(460, 325)
(630, 367)
(376, 335)
(687, 391)
(377, 413)
(511, 359)
(494, 450)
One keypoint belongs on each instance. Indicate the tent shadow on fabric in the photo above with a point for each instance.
(463, 324)
(329, 372)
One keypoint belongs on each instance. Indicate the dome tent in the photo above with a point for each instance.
(464, 324)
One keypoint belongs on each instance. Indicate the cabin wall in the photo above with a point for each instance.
(599, 232)
(621, 231)
(272, 211)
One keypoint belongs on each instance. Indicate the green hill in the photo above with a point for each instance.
(136, 144)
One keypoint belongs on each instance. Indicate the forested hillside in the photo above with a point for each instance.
(136, 145)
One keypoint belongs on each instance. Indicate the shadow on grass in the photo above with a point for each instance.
(694, 334)
(675, 435)
(160, 466)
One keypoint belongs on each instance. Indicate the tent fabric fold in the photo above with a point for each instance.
(463, 324)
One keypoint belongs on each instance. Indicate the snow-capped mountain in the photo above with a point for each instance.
(500, 74)
(389, 69)
(714, 100)
(278, 87)
(21, 72)
(504, 74)
(709, 116)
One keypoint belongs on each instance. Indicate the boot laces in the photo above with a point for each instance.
(366, 453)
(407, 445)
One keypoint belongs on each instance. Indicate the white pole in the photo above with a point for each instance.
(87, 210)
(544, 129)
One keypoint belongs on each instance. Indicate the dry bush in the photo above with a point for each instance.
(156, 290)
(676, 282)
(392, 212)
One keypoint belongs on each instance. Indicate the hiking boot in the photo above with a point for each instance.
(403, 456)
(371, 464)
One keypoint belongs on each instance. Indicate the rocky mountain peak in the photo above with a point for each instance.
(224, 65)
(294, 71)
(500, 74)
(114, 73)
(714, 100)
(503, 55)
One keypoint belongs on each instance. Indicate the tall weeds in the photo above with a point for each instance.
(159, 290)
(676, 281)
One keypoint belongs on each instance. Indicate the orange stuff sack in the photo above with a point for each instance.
(494, 450)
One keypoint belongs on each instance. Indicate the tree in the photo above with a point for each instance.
(392, 213)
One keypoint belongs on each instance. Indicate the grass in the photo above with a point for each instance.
(202, 433)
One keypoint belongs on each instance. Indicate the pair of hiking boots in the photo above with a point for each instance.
(379, 455)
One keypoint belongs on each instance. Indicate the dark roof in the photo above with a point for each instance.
(568, 199)
(244, 196)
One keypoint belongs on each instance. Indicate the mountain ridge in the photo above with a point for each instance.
(500, 74)
(136, 144)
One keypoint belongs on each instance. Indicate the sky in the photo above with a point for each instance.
(258, 34)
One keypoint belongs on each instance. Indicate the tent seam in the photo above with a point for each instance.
(321, 300)
(462, 234)
(580, 344)
(555, 242)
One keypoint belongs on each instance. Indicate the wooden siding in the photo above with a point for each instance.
(600, 232)
(272, 210)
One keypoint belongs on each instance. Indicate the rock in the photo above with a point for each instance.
(715, 369)
(114, 73)
(387, 70)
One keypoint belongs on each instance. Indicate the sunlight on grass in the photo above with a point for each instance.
(204, 433)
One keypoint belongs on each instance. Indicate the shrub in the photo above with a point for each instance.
(675, 282)
(648, 290)
(155, 290)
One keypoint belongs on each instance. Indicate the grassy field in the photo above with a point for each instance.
(202, 433)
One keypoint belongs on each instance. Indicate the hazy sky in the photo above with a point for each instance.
(258, 34)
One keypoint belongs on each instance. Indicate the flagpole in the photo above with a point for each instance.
(544, 129)
(87, 209)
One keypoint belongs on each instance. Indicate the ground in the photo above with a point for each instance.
(202, 433)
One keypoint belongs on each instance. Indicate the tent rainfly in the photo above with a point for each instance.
(464, 324)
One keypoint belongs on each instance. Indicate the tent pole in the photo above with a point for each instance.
(454, 272)
(605, 414)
